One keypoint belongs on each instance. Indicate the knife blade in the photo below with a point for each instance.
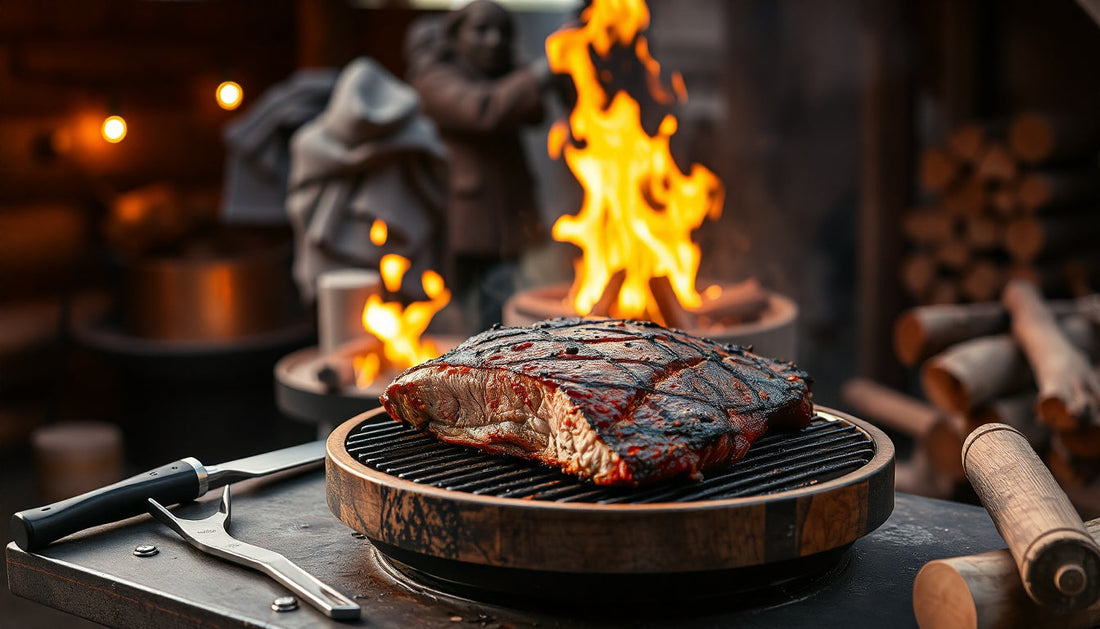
(173, 483)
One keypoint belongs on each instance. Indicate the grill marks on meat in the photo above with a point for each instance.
(619, 402)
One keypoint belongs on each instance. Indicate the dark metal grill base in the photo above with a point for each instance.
(752, 587)
(777, 462)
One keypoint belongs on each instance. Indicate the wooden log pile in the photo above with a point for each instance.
(1013, 198)
(1024, 361)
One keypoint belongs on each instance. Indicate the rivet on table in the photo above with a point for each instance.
(145, 550)
(284, 604)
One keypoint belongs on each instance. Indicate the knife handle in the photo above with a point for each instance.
(173, 483)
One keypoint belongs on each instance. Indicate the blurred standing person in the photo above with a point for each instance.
(469, 85)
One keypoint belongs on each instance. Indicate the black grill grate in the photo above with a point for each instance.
(823, 451)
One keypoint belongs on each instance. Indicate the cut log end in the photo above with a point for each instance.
(942, 598)
(1055, 413)
(944, 390)
(909, 339)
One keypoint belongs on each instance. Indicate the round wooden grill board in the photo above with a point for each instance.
(589, 538)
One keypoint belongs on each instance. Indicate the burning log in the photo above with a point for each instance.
(672, 313)
(1042, 137)
(997, 164)
(610, 295)
(971, 373)
(1049, 190)
(1069, 388)
(985, 592)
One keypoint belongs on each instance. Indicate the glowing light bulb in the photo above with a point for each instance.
(229, 95)
(113, 129)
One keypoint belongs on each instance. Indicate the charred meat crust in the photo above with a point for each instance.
(620, 402)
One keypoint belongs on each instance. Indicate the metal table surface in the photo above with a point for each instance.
(94, 575)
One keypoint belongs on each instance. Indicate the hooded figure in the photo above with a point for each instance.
(369, 155)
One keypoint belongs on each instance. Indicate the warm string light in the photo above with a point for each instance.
(113, 129)
(229, 95)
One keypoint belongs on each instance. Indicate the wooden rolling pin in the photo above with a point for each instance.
(984, 592)
(1059, 562)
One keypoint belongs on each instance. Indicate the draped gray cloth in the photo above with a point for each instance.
(258, 151)
(369, 155)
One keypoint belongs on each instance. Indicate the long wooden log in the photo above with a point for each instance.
(1069, 388)
(969, 374)
(1046, 137)
(926, 330)
(889, 408)
(923, 331)
(1059, 562)
(1041, 191)
(985, 592)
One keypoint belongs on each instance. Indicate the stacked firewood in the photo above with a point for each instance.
(1024, 361)
(1002, 200)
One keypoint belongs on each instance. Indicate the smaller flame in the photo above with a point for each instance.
(379, 232)
(393, 268)
(397, 326)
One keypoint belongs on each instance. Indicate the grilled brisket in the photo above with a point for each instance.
(619, 402)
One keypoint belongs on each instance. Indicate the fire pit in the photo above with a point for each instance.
(634, 228)
(771, 332)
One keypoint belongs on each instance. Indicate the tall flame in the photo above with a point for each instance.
(400, 328)
(639, 209)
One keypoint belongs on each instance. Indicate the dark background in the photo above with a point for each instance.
(812, 113)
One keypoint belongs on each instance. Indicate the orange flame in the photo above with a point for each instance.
(639, 209)
(399, 327)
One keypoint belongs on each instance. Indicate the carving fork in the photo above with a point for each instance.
(211, 536)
